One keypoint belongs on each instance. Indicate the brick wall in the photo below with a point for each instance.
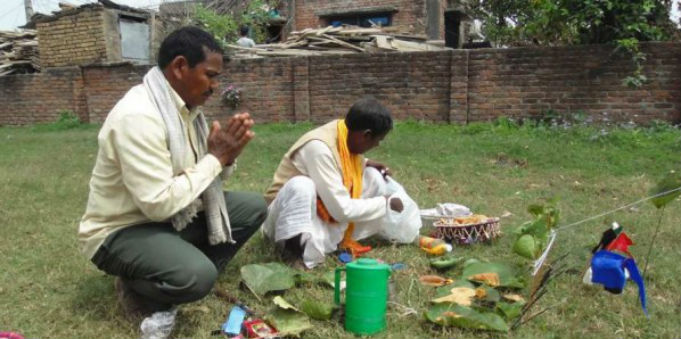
(451, 86)
(30, 98)
(412, 85)
(588, 79)
(105, 85)
(75, 39)
(411, 14)
(465, 85)
(267, 86)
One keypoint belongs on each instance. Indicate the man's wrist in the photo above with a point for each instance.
(230, 163)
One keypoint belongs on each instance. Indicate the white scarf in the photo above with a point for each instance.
(213, 198)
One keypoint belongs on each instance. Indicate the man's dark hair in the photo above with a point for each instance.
(368, 113)
(244, 30)
(188, 41)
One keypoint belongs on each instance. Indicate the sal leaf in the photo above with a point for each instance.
(447, 314)
(510, 311)
(670, 182)
(288, 322)
(506, 275)
(263, 278)
(317, 310)
(282, 303)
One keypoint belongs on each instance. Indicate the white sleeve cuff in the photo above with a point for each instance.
(209, 164)
(228, 170)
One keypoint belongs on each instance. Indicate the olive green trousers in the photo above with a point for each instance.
(166, 267)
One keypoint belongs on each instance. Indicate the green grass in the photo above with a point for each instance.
(47, 289)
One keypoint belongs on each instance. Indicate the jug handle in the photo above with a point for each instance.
(336, 285)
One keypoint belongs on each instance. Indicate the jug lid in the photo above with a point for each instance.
(368, 264)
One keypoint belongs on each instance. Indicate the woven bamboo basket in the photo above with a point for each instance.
(467, 234)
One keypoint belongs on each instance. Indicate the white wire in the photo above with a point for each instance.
(554, 232)
(617, 209)
(540, 261)
(11, 10)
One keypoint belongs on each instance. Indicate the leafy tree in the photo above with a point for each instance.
(558, 22)
(566, 22)
(224, 28)
(224, 23)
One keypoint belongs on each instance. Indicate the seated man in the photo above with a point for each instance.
(325, 194)
(156, 216)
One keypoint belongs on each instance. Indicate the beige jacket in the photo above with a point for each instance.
(327, 133)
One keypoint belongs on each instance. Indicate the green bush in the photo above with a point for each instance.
(67, 120)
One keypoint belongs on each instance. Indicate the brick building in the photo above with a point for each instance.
(101, 32)
(436, 19)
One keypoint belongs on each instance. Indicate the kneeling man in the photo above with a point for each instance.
(325, 194)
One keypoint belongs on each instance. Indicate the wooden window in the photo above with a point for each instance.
(135, 34)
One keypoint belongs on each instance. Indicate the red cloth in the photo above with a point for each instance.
(621, 244)
(10, 335)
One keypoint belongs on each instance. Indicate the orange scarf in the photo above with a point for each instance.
(351, 170)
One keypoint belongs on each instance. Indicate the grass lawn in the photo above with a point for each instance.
(47, 289)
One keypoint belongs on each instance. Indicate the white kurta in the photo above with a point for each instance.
(294, 210)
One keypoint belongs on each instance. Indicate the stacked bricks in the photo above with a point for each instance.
(73, 39)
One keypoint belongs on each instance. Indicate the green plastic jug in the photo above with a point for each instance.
(366, 295)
